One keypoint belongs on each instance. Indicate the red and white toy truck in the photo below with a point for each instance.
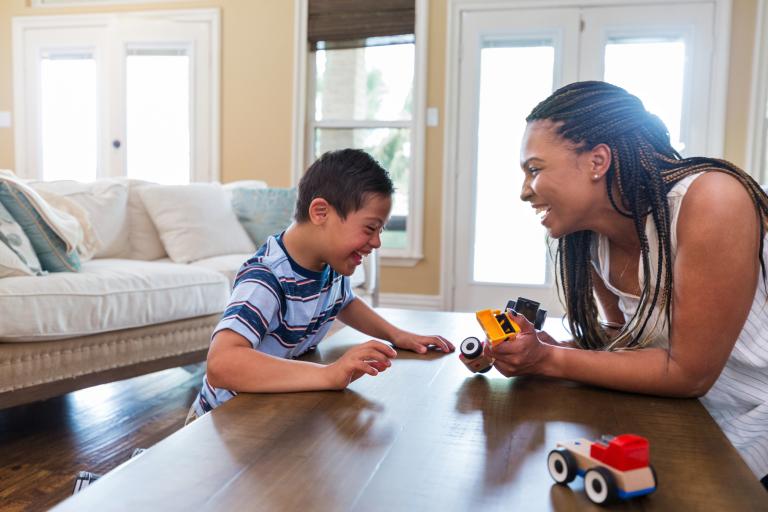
(613, 468)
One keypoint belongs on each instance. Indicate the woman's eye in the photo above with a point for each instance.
(533, 171)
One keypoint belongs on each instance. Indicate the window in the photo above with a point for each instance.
(117, 95)
(69, 114)
(363, 92)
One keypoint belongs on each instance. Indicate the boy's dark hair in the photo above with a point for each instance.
(343, 178)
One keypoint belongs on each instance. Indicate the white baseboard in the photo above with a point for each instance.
(411, 301)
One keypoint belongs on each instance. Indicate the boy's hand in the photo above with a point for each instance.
(420, 344)
(370, 357)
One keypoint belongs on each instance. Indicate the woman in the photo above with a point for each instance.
(661, 263)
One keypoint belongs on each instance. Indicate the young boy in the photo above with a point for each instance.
(288, 294)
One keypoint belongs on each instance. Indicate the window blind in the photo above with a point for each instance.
(352, 23)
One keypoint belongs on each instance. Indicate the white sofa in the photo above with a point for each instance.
(130, 310)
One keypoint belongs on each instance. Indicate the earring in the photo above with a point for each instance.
(595, 176)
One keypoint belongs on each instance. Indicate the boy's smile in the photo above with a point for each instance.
(352, 239)
(340, 243)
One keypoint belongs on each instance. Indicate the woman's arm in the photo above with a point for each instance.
(715, 275)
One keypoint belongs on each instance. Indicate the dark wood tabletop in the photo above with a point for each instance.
(424, 435)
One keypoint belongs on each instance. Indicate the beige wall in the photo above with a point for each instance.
(256, 82)
(743, 21)
(257, 68)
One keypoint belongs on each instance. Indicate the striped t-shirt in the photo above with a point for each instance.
(738, 400)
(281, 308)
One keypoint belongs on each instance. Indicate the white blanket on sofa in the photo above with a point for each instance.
(66, 225)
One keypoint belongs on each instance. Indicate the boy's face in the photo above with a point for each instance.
(350, 239)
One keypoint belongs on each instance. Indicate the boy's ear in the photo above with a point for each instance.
(318, 211)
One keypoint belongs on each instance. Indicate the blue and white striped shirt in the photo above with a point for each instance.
(281, 308)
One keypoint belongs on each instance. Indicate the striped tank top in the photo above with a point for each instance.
(738, 401)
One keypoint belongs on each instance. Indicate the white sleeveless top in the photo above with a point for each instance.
(738, 401)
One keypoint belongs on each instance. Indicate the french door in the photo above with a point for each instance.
(117, 95)
(510, 59)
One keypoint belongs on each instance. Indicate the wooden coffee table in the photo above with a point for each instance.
(424, 435)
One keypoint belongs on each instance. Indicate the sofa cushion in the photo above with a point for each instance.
(143, 238)
(10, 263)
(23, 260)
(195, 221)
(106, 203)
(229, 264)
(263, 211)
(52, 250)
(106, 295)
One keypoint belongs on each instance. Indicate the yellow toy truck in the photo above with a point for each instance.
(498, 327)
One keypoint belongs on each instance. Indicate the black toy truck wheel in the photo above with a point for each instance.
(600, 486)
(655, 480)
(471, 347)
(562, 466)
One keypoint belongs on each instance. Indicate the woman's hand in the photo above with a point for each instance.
(369, 358)
(525, 354)
(420, 344)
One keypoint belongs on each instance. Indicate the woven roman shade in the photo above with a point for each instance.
(348, 23)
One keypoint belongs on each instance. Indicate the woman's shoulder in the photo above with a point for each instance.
(714, 188)
(719, 201)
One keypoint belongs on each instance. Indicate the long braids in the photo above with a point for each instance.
(645, 167)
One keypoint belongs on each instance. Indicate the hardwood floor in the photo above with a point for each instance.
(43, 445)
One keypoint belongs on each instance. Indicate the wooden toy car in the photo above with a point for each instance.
(613, 468)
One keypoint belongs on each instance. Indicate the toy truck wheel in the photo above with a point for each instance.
(600, 486)
(562, 466)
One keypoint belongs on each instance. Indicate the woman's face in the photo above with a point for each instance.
(564, 186)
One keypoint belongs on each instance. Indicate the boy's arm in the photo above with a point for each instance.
(358, 315)
(235, 365)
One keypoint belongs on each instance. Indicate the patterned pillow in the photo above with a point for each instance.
(14, 237)
(263, 211)
(51, 250)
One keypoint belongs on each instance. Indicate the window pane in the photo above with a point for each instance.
(653, 70)
(392, 148)
(158, 115)
(364, 83)
(69, 116)
(506, 98)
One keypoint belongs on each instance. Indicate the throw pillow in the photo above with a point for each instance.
(264, 211)
(51, 249)
(143, 238)
(23, 260)
(106, 204)
(10, 263)
(195, 221)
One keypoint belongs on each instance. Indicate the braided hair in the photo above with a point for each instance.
(645, 167)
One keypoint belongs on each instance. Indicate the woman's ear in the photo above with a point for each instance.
(600, 160)
(318, 211)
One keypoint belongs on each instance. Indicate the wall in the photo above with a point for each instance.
(743, 19)
(257, 67)
(256, 81)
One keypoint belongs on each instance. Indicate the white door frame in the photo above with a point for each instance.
(206, 167)
(457, 8)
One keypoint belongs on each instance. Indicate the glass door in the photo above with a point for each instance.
(511, 60)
